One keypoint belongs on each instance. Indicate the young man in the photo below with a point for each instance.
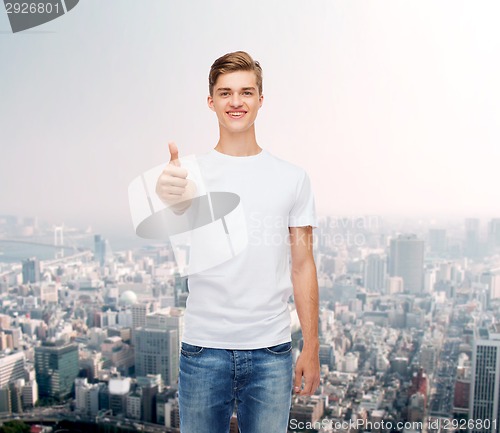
(236, 346)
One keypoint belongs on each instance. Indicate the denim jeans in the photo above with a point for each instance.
(211, 381)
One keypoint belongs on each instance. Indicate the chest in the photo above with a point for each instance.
(261, 192)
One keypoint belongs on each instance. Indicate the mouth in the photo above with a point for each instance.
(236, 114)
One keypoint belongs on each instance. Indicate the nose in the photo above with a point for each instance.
(235, 100)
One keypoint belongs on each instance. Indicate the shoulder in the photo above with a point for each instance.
(285, 167)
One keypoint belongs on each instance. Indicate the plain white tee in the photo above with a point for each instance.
(242, 303)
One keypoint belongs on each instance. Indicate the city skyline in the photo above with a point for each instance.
(392, 349)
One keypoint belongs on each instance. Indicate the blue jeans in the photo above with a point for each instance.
(211, 381)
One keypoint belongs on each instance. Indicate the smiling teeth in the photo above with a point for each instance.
(237, 114)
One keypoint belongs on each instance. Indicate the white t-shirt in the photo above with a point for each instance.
(242, 303)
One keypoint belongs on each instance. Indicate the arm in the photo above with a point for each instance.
(305, 292)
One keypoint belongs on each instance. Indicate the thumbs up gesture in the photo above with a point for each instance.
(173, 188)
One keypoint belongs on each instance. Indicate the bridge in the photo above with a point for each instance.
(41, 244)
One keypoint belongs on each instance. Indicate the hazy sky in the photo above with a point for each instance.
(392, 107)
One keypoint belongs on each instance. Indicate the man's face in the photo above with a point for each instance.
(236, 100)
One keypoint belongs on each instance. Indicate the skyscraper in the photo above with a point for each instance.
(407, 261)
(139, 313)
(157, 345)
(485, 384)
(494, 233)
(56, 366)
(155, 351)
(472, 247)
(86, 397)
(375, 272)
(100, 250)
(31, 270)
(11, 368)
(150, 386)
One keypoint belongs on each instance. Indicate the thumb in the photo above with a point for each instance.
(174, 154)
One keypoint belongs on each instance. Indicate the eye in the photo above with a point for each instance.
(223, 94)
(247, 93)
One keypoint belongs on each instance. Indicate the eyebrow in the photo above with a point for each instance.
(225, 89)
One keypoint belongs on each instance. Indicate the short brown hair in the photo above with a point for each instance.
(232, 62)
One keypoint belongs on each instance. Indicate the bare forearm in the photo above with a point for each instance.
(305, 288)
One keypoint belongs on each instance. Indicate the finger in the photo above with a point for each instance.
(307, 389)
(314, 386)
(174, 154)
(164, 190)
(173, 181)
(175, 171)
(297, 381)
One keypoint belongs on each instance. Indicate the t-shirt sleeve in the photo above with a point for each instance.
(303, 212)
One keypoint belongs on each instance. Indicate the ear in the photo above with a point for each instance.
(210, 102)
(261, 100)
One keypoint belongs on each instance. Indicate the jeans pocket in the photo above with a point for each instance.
(280, 349)
(190, 350)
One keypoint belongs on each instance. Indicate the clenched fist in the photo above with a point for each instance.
(173, 188)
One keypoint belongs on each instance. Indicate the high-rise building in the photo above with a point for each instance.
(428, 357)
(155, 352)
(91, 362)
(134, 404)
(99, 249)
(31, 270)
(375, 272)
(485, 380)
(5, 403)
(494, 233)
(16, 392)
(492, 281)
(119, 388)
(30, 394)
(150, 386)
(117, 354)
(139, 313)
(168, 318)
(461, 394)
(5, 321)
(49, 293)
(86, 397)
(56, 366)
(327, 356)
(166, 406)
(157, 345)
(472, 246)
(11, 368)
(407, 261)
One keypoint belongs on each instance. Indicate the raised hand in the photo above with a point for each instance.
(173, 188)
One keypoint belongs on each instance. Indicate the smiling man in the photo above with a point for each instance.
(236, 347)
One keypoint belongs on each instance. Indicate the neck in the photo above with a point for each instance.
(238, 144)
